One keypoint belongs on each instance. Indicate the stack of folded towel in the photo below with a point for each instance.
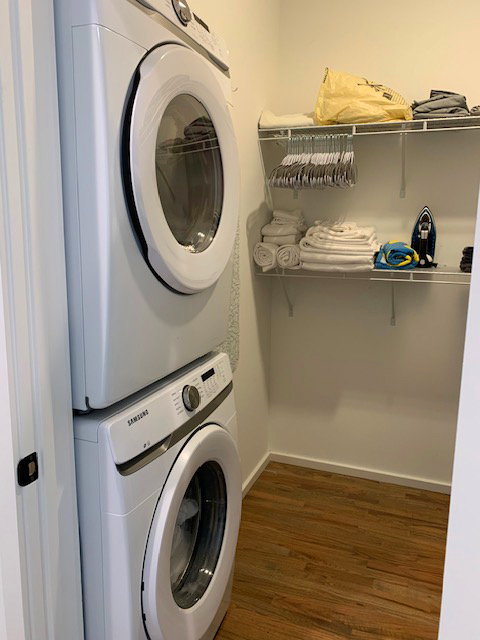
(338, 247)
(280, 241)
(286, 227)
(269, 120)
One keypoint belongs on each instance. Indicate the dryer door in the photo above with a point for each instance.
(191, 546)
(181, 168)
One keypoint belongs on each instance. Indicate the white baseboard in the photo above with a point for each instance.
(253, 477)
(368, 474)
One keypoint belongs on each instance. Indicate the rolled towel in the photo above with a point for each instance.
(397, 256)
(280, 230)
(336, 268)
(265, 255)
(268, 120)
(288, 256)
(322, 258)
(280, 240)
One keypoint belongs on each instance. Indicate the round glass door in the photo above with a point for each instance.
(181, 168)
(198, 535)
(189, 173)
(190, 549)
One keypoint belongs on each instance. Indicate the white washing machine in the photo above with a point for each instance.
(159, 498)
(151, 191)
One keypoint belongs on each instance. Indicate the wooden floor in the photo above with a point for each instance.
(328, 557)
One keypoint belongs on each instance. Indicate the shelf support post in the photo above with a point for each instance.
(287, 297)
(393, 318)
(403, 184)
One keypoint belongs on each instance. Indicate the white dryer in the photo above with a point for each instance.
(151, 191)
(159, 498)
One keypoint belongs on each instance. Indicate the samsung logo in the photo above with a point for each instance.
(138, 417)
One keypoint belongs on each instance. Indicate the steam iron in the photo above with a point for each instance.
(424, 237)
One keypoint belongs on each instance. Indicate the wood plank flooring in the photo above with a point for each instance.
(329, 557)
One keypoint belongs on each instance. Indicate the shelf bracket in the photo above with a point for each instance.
(287, 297)
(268, 191)
(393, 318)
(403, 184)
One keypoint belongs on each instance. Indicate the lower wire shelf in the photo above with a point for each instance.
(440, 275)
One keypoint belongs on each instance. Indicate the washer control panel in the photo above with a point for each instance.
(206, 383)
(181, 15)
(191, 397)
(182, 10)
(137, 425)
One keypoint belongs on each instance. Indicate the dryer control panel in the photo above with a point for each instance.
(181, 15)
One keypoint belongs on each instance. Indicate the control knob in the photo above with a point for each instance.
(182, 10)
(190, 397)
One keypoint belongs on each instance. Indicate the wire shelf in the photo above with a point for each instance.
(440, 275)
(377, 128)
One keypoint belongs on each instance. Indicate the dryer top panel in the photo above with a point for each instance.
(134, 425)
(180, 13)
(128, 15)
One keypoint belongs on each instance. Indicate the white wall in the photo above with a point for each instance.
(346, 387)
(251, 30)
(412, 47)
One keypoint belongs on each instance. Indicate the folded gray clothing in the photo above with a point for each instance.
(441, 104)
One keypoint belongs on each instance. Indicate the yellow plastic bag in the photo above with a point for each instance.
(347, 99)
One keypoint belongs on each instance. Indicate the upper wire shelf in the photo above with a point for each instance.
(377, 128)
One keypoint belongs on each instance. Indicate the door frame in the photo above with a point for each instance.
(40, 587)
(461, 584)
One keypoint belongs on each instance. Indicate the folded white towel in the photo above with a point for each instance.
(300, 226)
(289, 216)
(336, 250)
(281, 222)
(313, 245)
(280, 240)
(280, 230)
(353, 236)
(347, 230)
(268, 120)
(265, 255)
(322, 258)
(288, 256)
(338, 268)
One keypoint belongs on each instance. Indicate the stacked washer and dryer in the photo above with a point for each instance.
(151, 196)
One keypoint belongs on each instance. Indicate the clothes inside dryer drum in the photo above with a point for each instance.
(189, 173)
(198, 535)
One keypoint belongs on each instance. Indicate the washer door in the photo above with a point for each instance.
(191, 546)
(181, 168)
